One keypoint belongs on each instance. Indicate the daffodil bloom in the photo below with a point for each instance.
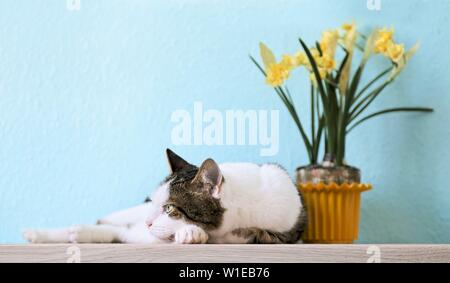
(402, 62)
(322, 73)
(381, 45)
(316, 55)
(326, 62)
(395, 51)
(277, 74)
(386, 34)
(300, 59)
(384, 38)
(348, 26)
(328, 43)
(289, 62)
(385, 44)
(348, 41)
(350, 35)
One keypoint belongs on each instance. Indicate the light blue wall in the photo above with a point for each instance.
(86, 99)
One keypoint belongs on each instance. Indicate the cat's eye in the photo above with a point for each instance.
(168, 208)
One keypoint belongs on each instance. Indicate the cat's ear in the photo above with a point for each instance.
(176, 163)
(210, 176)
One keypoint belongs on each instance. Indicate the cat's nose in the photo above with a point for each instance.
(149, 223)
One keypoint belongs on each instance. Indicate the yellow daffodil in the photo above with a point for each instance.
(379, 41)
(350, 36)
(326, 62)
(384, 43)
(328, 43)
(277, 74)
(300, 59)
(289, 62)
(384, 38)
(348, 26)
(386, 34)
(395, 51)
(315, 53)
(381, 45)
(402, 62)
(322, 73)
(348, 41)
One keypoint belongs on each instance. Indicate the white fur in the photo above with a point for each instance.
(256, 196)
(191, 234)
(252, 195)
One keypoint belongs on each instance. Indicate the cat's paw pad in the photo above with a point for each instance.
(30, 235)
(191, 234)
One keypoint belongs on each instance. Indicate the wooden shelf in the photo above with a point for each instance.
(224, 253)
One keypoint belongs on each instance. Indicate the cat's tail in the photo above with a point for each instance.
(75, 234)
(46, 236)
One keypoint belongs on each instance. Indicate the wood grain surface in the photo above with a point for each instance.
(224, 253)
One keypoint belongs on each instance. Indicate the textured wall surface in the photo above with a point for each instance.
(86, 98)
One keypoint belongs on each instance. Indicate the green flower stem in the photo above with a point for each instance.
(313, 126)
(360, 107)
(366, 87)
(390, 110)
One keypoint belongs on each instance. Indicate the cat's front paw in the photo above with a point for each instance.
(191, 234)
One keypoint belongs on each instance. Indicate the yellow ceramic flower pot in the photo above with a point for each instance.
(333, 212)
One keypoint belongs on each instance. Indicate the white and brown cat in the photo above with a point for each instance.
(226, 203)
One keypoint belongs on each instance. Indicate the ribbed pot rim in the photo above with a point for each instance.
(357, 187)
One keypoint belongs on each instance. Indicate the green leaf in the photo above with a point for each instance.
(360, 107)
(319, 48)
(345, 73)
(390, 110)
(318, 137)
(313, 122)
(289, 96)
(296, 119)
(315, 71)
(341, 68)
(367, 86)
(266, 55)
(257, 65)
(355, 82)
(359, 47)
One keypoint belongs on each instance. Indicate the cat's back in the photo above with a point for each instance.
(268, 179)
(244, 172)
(262, 196)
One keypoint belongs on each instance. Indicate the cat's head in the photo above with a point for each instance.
(189, 195)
